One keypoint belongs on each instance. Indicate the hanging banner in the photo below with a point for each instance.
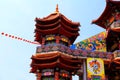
(95, 69)
(94, 43)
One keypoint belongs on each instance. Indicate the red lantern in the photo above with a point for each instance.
(23, 39)
(9, 35)
(15, 37)
(2, 33)
(18, 38)
(12, 36)
(6, 34)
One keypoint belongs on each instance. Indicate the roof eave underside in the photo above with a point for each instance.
(106, 13)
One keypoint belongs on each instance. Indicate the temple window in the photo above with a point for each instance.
(64, 75)
(48, 74)
(50, 39)
(64, 41)
(115, 24)
(50, 42)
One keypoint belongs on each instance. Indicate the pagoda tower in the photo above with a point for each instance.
(52, 61)
(110, 20)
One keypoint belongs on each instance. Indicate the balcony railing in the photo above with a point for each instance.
(75, 52)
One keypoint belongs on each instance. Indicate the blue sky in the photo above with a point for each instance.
(17, 18)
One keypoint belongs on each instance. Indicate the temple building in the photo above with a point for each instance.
(110, 20)
(52, 32)
(56, 60)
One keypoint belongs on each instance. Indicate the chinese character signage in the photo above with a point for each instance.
(95, 69)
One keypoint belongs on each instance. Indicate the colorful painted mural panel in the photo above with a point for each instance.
(95, 69)
(94, 43)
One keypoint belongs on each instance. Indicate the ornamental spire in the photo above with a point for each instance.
(57, 9)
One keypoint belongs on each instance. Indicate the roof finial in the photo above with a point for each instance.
(57, 9)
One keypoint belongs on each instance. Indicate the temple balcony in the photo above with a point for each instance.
(76, 52)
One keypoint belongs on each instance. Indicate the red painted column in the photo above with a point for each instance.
(56, 75)
(43, 41)
(84, 70)
(70, 77)
(119, 44)
(57, 39)
(38, 75)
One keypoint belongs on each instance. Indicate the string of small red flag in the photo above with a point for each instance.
(18, 38)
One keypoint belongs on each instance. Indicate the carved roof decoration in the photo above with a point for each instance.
(108, 15)
(56, 23)
(77, 52)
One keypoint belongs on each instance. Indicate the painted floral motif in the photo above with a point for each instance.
(47, 49)
(55, 48)
(109, 56)
(76, 52)
(95, 65)
(92, 54)
(69, 51)
(94, 43)
(84, 53)
(101, 55)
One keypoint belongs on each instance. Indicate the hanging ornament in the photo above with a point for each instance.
(19, 38)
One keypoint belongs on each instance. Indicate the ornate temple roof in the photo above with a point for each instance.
(56, 23)
(108, 14)
(54, 59)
